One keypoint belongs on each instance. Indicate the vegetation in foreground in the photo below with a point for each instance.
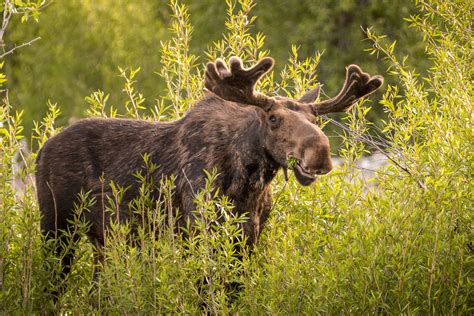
(401, 243)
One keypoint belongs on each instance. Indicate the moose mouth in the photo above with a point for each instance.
(303, 177)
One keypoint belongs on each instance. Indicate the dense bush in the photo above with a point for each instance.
(400, 243)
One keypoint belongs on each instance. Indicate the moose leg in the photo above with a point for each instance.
(60, 244)
(97, 218)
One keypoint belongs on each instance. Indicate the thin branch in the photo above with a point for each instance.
(7, 13)
(11, 51)
(377, 171)
(380, 145)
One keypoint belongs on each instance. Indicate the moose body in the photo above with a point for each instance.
(246, 136)
(92, 152)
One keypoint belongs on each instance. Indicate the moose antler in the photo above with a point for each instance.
(357, 85)
(237, 83)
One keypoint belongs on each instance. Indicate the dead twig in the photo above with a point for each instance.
(11, 51)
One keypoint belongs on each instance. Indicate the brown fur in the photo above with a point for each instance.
(245, 135)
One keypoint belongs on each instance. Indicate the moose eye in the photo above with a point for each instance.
(272, 118)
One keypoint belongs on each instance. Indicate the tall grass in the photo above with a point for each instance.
(399, 245)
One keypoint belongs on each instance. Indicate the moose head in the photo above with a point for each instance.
(289, 129)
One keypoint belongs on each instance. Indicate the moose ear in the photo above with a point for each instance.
(311, 95)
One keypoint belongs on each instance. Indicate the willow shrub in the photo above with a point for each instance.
(399, 243)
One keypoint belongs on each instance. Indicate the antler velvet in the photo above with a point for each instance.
(238, 84)
(358, 84)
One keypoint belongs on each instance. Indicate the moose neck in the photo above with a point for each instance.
(229, 137)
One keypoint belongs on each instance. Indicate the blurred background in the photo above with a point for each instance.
(84, 42)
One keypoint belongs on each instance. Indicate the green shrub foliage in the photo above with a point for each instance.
(398, 243)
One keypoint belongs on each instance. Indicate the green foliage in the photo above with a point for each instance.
(83, 42)
(182, 85)
(398, 244)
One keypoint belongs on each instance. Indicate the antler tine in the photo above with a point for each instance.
(357, 85)
(237, 83)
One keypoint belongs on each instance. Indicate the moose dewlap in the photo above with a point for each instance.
(243, 134)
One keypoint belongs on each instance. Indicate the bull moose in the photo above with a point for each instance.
(246, 135)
